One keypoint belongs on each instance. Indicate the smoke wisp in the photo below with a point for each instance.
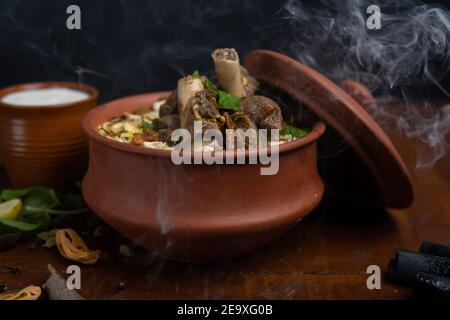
(411, 49)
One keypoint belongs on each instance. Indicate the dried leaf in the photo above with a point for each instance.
(72, 247)
(49, 238)
(28, 293)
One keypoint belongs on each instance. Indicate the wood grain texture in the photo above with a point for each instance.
(324, 257)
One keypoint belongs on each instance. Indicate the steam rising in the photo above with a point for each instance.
(411, 48)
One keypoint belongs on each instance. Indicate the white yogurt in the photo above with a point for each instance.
(44, 97)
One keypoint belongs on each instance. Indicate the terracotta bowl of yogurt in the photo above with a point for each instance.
(41, 139)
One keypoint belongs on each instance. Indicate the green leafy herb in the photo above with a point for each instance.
(9, 194)
(7, 226)
(41, 206)
(294, 131)
(196, 74)
(228, 101)
(156, 124)
(208, 84)
(39, 198)
(146, 125)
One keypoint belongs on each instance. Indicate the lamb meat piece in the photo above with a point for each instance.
(203, 107)
(240, 120)
(170, 106)
(265, 112)
(229, 123)
(243, 121)
(204, 104)
(250, 84)
(170, 121)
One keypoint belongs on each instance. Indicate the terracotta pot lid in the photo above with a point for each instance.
(340, 111)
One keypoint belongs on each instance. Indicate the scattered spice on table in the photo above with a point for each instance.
(15, 270)
(122, 285)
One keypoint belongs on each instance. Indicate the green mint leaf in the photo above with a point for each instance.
(146, 125)
(156, 124)
(228, 101)
(294, 131)
(196, 74)
(71, 201)
(209, 85)
(9, 194)
(7, 226)
(39, 197)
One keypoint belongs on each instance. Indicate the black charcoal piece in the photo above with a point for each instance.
(435, 249)
(406, 264)
(431, 286)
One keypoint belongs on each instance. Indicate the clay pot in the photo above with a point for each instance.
(45, 145)
(196, 212)
(218, 212)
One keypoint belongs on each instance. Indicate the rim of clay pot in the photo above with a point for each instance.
(92, 91)
(90, 126)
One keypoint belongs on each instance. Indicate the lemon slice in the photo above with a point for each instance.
(9, 210)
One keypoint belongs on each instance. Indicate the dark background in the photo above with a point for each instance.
(127, 47)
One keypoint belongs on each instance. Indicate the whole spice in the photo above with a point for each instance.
(126, 250)
(122, 285)
(15, 270)
(28, 293)
(72, 247)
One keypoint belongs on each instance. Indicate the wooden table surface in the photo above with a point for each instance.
(324, 257)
